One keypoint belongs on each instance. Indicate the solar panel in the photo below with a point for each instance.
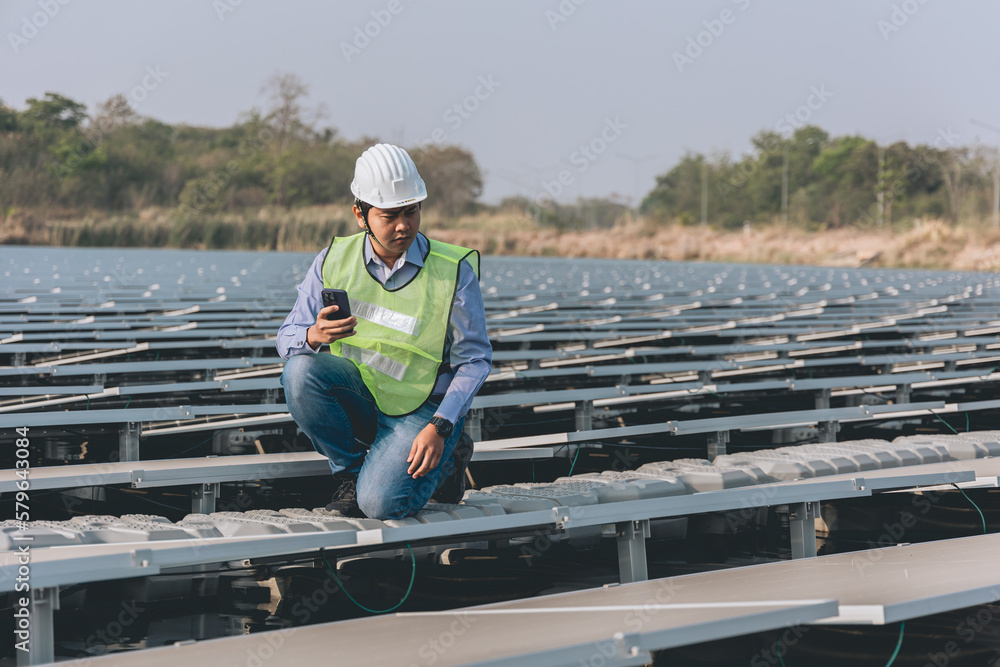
(156, 355)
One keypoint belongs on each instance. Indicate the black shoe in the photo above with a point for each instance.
(452, 488)
(345, 498)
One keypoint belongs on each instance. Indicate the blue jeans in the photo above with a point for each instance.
(331, 404)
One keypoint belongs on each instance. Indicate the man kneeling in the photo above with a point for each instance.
(388, 405)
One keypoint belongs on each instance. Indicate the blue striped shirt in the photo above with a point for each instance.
(467, 352)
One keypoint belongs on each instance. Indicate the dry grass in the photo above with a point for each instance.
(933, 244)
(269, 228)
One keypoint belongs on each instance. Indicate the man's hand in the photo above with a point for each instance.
(425, 453)
(327, 331)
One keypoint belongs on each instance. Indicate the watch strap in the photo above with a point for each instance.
(443, 426)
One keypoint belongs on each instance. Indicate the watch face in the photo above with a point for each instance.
(443, 426)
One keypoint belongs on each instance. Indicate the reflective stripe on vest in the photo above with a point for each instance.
(379, 362)
(384, 316)
(400, 336)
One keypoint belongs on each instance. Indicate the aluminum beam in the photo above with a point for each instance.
(191, 471)
(597, 634)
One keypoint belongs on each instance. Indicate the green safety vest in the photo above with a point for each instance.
(400, 336)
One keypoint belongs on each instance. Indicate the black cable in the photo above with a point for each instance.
(148, 500)
(194, 447)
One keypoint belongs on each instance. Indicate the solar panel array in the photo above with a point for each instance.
(672, 342)
(157, 355)
(124, 365)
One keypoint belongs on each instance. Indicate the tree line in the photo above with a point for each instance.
(812, 179)
(56, 155)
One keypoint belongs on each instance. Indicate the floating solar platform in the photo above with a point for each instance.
(130, 368)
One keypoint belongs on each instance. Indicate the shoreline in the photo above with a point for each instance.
(928, 245)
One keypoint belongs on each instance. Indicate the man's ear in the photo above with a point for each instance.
(358, 218)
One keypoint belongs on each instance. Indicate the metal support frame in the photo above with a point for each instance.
(20, 358)
(802, 524)
(203, 498)
(41, 646)
(903, 393)
(827, 431)
(584, 414)
(474, 424)
(823, 399)
(119, 561)
(631, 536)
(717, 444)
(128, 441)
(270, 396)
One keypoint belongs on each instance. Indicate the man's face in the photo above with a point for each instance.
(395, 228)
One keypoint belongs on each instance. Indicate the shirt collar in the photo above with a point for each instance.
(414, 254)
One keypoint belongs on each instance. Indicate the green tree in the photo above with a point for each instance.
(847, 171)
(677, 195)
(54, 110)
(8, 118)
(452, 177)
(293, 133)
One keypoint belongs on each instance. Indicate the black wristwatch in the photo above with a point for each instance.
(443, 426)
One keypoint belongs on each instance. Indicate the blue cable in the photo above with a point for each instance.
(575, 457)
(892, 658)
(981, 515)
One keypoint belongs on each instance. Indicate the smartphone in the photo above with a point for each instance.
(337, 297)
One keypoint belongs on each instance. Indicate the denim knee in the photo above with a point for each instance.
(303, 372)
(382, 502)
(295, 375)
(377, 503)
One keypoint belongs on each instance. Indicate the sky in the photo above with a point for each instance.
(554, 98)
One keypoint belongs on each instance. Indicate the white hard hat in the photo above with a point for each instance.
(386, 177)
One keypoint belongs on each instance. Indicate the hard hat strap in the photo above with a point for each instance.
(372, 234)
(365, 207)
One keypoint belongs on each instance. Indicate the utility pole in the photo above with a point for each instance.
(784, 187)
(704, 192)
(880, 217)
(996, 174)
(996, 192)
